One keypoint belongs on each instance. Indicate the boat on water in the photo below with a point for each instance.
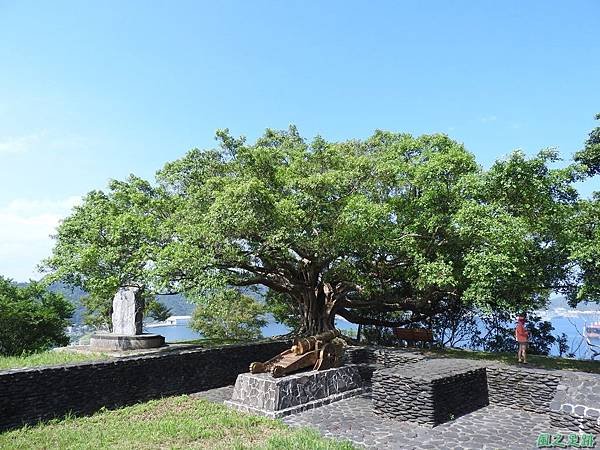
(592, 331)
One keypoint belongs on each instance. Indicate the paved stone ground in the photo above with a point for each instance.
(218, 395)
(492, 427)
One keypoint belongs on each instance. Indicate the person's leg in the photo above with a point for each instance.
(519, 351)
(525, 352)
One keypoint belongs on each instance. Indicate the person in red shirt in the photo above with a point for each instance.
(522, 336)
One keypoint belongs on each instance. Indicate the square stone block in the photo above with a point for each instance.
(430, 392)
(277, 397)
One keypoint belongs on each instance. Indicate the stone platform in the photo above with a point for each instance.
(430, 392)
(278, 397)
(118, 342)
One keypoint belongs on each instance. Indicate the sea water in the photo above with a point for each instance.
(571, 326)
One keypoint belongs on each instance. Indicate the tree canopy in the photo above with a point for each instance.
(31, 318)
(398, 224)
(229, 314)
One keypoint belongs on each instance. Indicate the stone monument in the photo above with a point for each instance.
(128, 307)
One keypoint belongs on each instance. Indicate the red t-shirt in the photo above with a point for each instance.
(521, 333)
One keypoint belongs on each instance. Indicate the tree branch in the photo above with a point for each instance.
(358, 319)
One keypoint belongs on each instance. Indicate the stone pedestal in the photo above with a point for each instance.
(277, 397)
(115, 342)
(430, 392)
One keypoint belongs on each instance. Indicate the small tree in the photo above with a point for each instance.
(562, 342)
(228, 314)
(158, 311)
(31, 318)
(111, 240)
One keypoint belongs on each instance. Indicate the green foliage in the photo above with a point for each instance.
(31, 318)
(98, 311)
(562, 342)
(589, 157)
(584, 246)
(228, 314)
(457, 327)
(541, 338)
(283, 309)
(500, 334)
(110, 240)
(390, 224)
(372, 335)
(158, 311)
(350, 332)
(547, 362)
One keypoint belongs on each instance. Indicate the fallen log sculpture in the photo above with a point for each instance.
(323, 351)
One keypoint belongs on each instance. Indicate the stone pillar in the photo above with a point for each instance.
(127, 334)
(128, 308)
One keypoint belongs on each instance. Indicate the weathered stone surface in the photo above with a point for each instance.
(276, 397)
(369, 359)
(112, 342)
(128, 307)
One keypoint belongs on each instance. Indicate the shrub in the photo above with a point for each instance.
(31, 318)
(228, 314)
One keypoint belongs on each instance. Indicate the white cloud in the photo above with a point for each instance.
(21, 144)
(40, 140)
(25, 229)
(488, 119)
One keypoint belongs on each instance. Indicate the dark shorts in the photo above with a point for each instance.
(523, 344)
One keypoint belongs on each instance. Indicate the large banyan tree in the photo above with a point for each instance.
(397, 225)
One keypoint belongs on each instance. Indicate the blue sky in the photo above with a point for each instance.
(97, 90)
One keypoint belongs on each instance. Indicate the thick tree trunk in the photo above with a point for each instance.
(317, 309)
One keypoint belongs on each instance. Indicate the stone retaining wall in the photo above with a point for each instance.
(571, 399)
(524, 388)
(576, 405)
(429, 392)
(30, 395)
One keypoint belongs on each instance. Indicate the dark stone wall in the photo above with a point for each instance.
(528, 389)
(429, 392)
(576, 405)
(31, 395)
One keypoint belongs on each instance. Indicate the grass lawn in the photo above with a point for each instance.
(174, 422)
(49, 358)
(545, 362)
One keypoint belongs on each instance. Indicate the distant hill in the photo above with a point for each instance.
(178, 304)
(561, 302)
